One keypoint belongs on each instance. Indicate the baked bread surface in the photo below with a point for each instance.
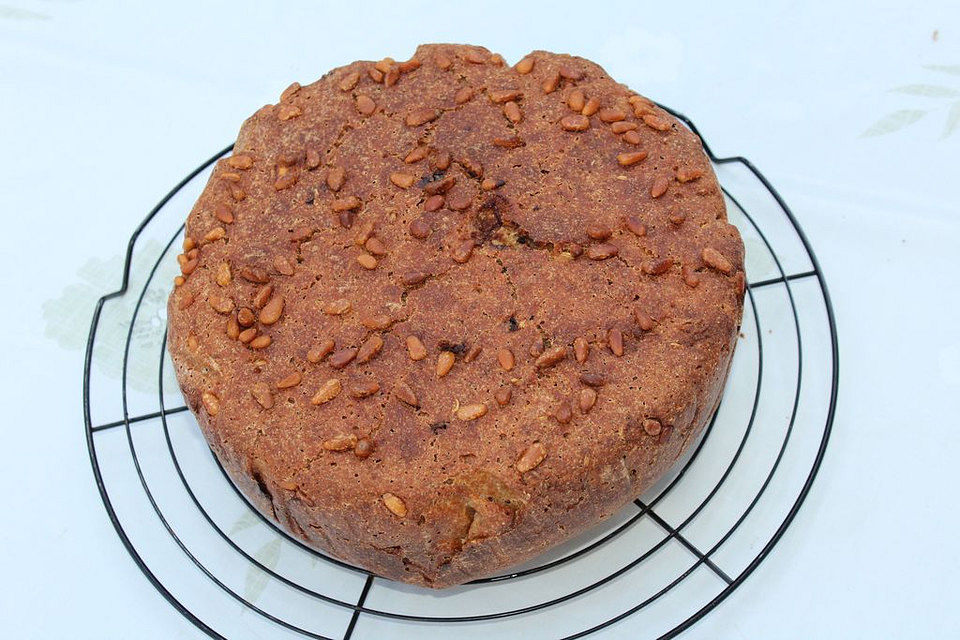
(439, 315)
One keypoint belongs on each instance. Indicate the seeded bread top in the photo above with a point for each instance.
(425, 302)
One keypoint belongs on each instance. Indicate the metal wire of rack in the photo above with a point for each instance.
(357, 610)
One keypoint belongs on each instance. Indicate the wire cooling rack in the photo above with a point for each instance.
(652, 570)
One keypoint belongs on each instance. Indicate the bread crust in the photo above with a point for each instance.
(518, 237)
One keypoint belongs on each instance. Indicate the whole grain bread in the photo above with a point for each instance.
(439, 315)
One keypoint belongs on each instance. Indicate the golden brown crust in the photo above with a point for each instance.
(437, 316)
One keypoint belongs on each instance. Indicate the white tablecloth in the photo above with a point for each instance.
(851, 109)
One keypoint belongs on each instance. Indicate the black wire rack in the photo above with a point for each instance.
(665, 562)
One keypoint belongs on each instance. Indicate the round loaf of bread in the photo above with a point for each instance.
(439, 315)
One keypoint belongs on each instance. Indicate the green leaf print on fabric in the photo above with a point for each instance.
(67, 317)
(268, 555)
(893, 122)
(952, 69)
(953, 120)
(936, 96)
(927, 91)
